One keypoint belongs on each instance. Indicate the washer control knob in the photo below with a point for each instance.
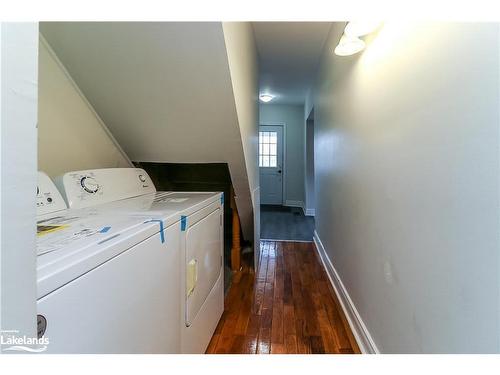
(89, 184)
(142, 178)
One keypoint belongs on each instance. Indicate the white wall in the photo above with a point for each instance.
(70, 134)
(244, 69)
(18, 80)
(293, 118)
(407, 173)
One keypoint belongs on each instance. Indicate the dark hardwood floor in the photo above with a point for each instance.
(288, 307)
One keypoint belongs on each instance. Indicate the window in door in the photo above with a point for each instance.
(268, 149)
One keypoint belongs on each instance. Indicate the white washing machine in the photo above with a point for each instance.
(199, 224)
(106, 283)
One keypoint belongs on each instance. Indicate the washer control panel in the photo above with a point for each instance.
(48, 198)
(96, 186)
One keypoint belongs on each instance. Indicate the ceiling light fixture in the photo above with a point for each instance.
(355, 29)
(266, 98)
(349, 46)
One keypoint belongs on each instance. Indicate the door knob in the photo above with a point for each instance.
(279, 171)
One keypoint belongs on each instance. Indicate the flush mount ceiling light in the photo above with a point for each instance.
(266, 98)
(349, 46)
(355, 29)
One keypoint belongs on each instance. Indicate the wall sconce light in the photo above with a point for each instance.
(349, 46)
(350, 42)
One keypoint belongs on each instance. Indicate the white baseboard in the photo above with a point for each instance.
(359, 330)
(300, 204)
(291, 203)
(310, 212)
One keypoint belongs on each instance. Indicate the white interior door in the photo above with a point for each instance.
(270, 164)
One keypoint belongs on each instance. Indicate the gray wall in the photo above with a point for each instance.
(310, 198)
(407, 173)
(293, 117)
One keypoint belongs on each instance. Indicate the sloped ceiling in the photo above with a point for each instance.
(163, 89)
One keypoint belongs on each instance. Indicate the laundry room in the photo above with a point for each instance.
(80, 153)
(260, 184)
(78, 131)
(134, 220)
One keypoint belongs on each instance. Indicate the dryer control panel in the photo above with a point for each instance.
(96, 186)
(48, 198)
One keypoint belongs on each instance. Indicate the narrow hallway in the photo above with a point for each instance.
(288, 307)
(278, 185)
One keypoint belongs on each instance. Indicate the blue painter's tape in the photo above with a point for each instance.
(162, 234)
(183, 223)
(104, 230)
(222, 198)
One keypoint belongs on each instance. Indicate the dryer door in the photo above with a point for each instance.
(203, 261)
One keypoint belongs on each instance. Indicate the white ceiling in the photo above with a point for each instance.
(289, 53)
